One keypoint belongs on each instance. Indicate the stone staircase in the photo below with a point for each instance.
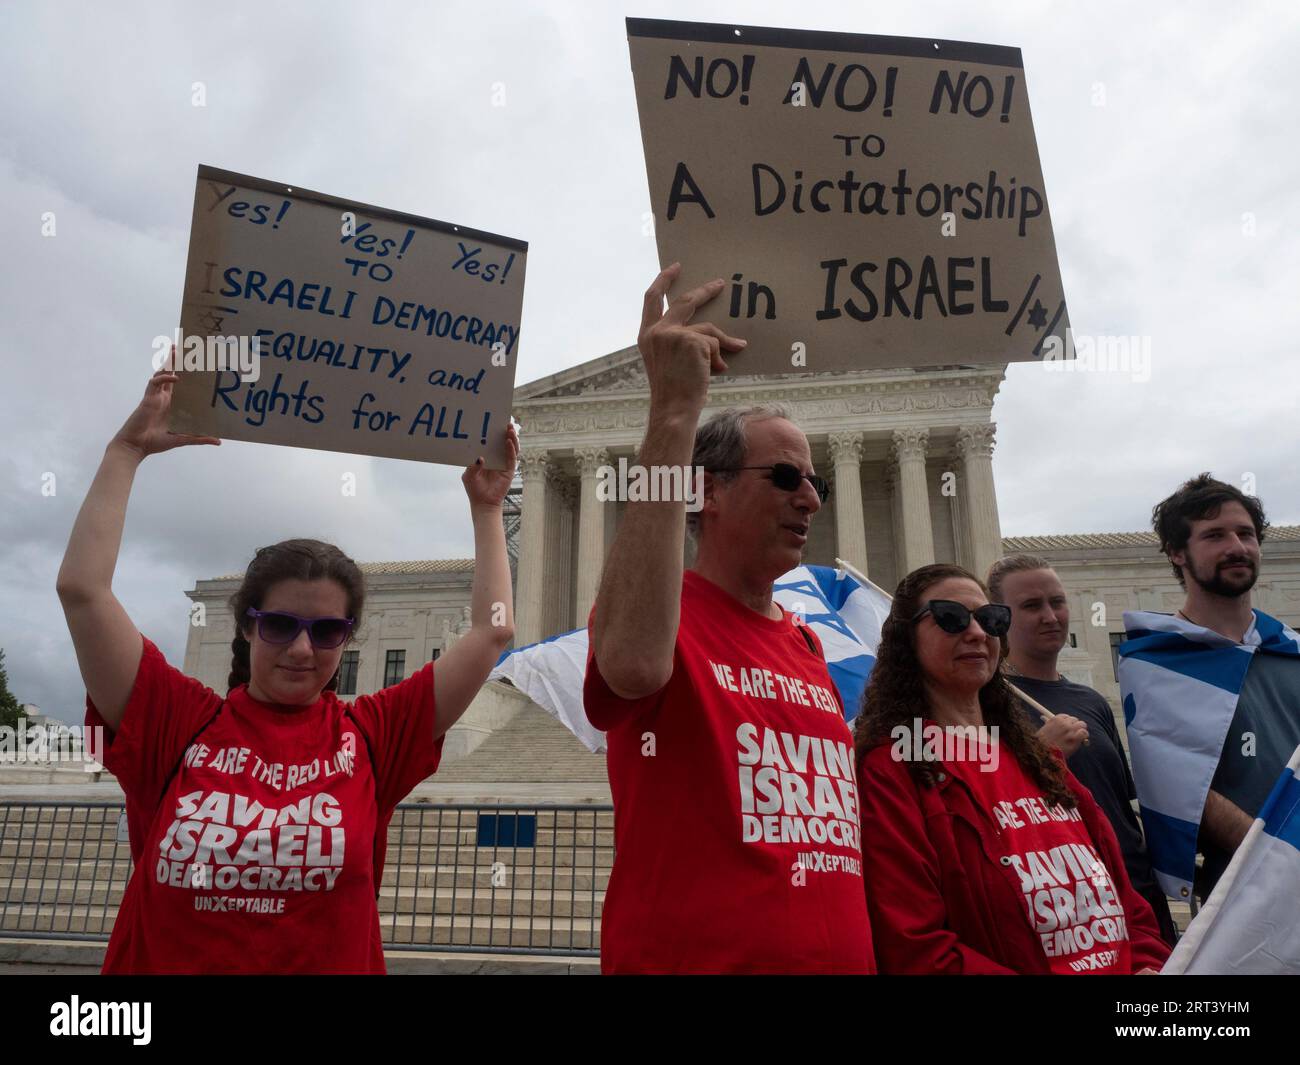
(532, 747)
(451, 879)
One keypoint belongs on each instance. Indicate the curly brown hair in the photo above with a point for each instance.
(1201, 497)
(895, 693)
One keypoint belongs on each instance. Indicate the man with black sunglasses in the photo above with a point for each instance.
(731, 767)
(786, 477)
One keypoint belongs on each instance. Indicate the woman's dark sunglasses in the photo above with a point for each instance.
(953, 618)
(788, 478)
(279, 626)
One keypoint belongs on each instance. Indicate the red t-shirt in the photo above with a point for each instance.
(1071, 902)
(262, 856)
(735, 805)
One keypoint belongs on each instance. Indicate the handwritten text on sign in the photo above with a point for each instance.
(379, 333)
(869, 201)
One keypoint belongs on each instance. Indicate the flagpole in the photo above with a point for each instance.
(1047, 714)
(862, 578)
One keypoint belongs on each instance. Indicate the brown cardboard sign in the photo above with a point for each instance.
(377, 333)
(869, 201)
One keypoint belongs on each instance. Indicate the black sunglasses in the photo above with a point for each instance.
(788, 478)
(953, 618)
(279, 626)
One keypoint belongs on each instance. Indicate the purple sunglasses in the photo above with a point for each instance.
(279, 626)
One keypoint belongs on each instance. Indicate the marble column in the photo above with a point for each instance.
(591, 531)
(557, 588)
(529, 591)
(569, 543)
(850, 523)
(960, 530)
(980, 505)
(910, 446)
(895, 490)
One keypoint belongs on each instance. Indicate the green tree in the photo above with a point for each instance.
(10, 710)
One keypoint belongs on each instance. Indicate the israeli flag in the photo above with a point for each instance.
(1179, 685)
(1251, 922)
(845, 613)
(550, 673)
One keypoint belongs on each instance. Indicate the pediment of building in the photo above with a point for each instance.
(621, 374)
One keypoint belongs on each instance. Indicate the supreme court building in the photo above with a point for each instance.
(909, 456)
(884, 439)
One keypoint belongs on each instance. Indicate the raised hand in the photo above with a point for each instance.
(488, 487)
(146, 430)
(1065, 733)
(680, 356)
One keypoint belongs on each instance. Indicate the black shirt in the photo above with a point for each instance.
(1099, 764)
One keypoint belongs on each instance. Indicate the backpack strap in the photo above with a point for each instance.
(377, 864)
(181, 760)
(807, 638)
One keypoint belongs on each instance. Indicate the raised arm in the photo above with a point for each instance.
(106, 640)
(638, 605)
(461, 672)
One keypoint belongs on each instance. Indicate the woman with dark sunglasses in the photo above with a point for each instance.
(981, 852)
(258, 820)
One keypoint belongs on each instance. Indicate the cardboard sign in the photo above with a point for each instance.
(869, 201)
(379, 333)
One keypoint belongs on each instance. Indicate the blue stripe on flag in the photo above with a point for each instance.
(850, 677)
(1208, 665)
(1280, 809)
(1171, 836)
(1272, 634)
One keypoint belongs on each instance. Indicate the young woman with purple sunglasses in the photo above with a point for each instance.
(258, 818)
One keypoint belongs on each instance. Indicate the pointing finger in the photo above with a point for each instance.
(653, 308)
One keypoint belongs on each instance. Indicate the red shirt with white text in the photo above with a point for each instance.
(735, 805)
(260, 855)
(1071, 902)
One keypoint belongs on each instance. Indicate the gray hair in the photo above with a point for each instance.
(720, 444)
(1011, 564)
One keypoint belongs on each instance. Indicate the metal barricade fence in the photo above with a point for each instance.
(493, 879)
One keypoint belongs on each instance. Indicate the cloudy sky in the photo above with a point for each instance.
(1166, 133)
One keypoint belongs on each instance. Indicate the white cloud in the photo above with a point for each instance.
(391, 104)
